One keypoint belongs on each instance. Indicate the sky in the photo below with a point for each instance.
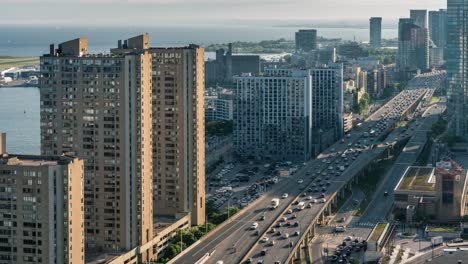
(201, 12)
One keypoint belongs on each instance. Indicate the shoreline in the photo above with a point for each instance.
(20, 86)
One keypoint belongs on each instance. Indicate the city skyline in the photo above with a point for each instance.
(161, 12)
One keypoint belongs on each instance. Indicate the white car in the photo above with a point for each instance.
(284, 196)
(265, 239)
(300, 181)
(254, 225)
(324, 200)
(309, 198)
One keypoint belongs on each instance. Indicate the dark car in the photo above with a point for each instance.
(264, 251)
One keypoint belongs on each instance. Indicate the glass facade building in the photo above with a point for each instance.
(457, 44)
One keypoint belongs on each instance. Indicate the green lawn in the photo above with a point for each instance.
(9, 62)
(435, 99)
(377, 232)
(443, 229)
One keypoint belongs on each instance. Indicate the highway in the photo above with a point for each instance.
(379, 207)
(390, 113)
(232, 242)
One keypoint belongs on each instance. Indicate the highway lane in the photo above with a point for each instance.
(232, 241)
(379, 207)
(306, 216)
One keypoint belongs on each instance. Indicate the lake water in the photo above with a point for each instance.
(20, 119)
(34, 41)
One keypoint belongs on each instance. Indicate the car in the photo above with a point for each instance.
(285, 235)
(257, 233)
(263, 252)
(303, 194)
(260, 261)
(254, 225)
(309, 198)
(279, 224)
(273, 230)
(357, 249)
(457, 240)
(294, 216)
(290, 211)
(288, 223)
(272, 243)
(296, 224)
(300, 181)
(249, 260)
(296, 233)
(277, 262)
(284, 196)
(309, 205)
(265, 239)
(290, 244)
(348, 238)
(385, 193)
(333, 258)
(262, 218)
(283, 219)
(323, 200)
(279, 233)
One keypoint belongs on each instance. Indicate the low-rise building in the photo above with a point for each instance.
(219, 104)
(435, 193)
(41, 201)
(347, 122)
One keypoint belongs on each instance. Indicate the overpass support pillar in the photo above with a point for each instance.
(356, 179)
(329, 209)
(342, 193)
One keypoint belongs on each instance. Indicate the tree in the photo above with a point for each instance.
(219, 127)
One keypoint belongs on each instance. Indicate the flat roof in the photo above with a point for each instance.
(34, 160)
(417, 179)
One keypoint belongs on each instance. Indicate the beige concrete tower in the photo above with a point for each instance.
(179, 132)
(98, 107)
(41, 198)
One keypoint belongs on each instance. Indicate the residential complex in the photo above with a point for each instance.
(375, 38)
(288, 113)
(273, 115)
(419, 17)
(179, 132)
(42, 208)
(438, 27)
(457, 64)
(98, 107)
(413, 46)
(327, 105)
(306, 40)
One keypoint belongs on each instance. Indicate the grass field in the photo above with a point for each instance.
(8, 62)
(378, 232)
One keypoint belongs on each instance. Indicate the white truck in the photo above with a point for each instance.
(342, 168)
(274, 203)
(438, 240)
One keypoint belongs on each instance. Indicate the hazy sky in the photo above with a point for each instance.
(200, 12)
